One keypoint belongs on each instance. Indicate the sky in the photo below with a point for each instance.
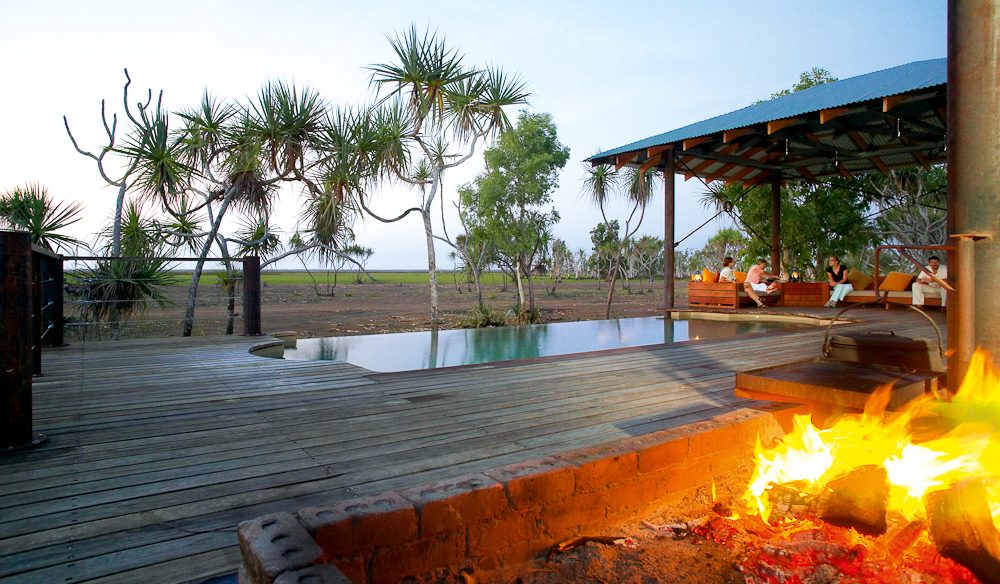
(609, 73)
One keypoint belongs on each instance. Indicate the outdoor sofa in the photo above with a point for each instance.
(710, 293)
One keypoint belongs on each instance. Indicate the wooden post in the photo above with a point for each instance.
(668, 229)
(15, 339)
(776, 225)
(973, 170)
(251, 295)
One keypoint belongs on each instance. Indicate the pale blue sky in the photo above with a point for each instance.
(609, 73)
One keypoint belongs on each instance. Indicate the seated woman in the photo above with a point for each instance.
(839, 286)
(727, 275)
(754, 282)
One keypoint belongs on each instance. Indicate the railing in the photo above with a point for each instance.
(32, 315)
(95, 310)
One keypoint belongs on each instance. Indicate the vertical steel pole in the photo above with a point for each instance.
(668, 229)
(973, 165)
(52, 299)
(776, 225)
(15, 339)
(251, 295)
(36, 314)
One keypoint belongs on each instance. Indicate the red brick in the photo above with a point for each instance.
(535, 482)
(356, 525)
(626, 500)
(332, 528)
(274, 544)
(392, 564)
(656, 456)
(453, 504)
(692, 474)
(491, 537)
(564, 518)
(598, 467)
(354, 568)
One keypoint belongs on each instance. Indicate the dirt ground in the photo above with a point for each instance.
(380, 308)
(377, 308)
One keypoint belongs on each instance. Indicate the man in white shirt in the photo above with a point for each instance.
(925, 282)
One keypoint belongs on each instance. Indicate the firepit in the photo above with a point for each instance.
(885, 496)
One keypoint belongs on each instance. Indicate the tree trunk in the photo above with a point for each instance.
(116, 250)
(431, 268)
(479, 286)
(520, 286)
(611, 287)
(531, 296)
(200, 266)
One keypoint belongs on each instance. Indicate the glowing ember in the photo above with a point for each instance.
(929, 447)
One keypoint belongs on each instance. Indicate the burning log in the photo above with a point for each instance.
(858, 499)
(962, 528)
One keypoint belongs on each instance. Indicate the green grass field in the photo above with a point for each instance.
(444, 277)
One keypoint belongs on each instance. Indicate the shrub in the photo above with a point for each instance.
(483, 317)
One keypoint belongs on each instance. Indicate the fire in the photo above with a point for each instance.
(930, 446)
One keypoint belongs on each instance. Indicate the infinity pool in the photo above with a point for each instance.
(428, 349)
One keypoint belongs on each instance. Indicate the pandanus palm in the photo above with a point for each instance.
(602, 184)
(30, 208)
(433, 109)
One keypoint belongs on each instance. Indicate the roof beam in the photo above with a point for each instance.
(626, 158)
(738, 177)
(806, 173)
(720, 172)
(921, 159)
(730, 135)
(778, 125)
(692, 142)
(653, 161)
(858, 139)
(891, 101)
(830, 114)
(654, 150)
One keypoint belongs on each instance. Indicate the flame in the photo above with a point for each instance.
(927, 447)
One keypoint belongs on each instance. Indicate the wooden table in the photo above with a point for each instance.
(804, 293)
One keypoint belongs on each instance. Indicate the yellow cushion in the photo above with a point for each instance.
(740, 277)
(859, 279)
(895, 282)
(708, 276)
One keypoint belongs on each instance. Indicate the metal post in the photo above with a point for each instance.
(52, 300)
(776, 225)
(251, 295)
(973, 169)
(36, 314)
(964, 312)
(668, 229)
(15, 342)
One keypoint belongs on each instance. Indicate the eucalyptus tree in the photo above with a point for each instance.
(432, 112)
(508, 198)
(603, 184)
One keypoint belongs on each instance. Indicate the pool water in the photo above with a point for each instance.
(447, 348)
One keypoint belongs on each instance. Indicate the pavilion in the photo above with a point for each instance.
(921, 113)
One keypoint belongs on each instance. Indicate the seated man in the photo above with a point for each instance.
(925, 282)
(755, 282)
(726, 275)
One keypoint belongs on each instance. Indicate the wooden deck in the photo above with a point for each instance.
(157, 449)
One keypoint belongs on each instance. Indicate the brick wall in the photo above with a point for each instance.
(499, 518)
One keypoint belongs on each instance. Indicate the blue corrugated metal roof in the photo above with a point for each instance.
(892, 81)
